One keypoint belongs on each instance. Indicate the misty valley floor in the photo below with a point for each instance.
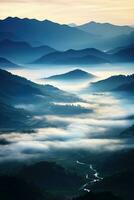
(87, 143)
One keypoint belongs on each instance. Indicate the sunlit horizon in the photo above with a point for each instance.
(69, 23)
(79, 11)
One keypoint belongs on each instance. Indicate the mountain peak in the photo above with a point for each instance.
(76, 74)
(17, 19)
(93, 22)
(12, 18)
(47, 21)
(77, 70)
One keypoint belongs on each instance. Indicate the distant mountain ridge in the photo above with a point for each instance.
(32, 40)
(46, 32)
(84, 56)
(105, 29)
(64, 37)
(110, 36)
(23, 52)
(88, 56)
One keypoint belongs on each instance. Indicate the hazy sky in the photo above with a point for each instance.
(68, 11)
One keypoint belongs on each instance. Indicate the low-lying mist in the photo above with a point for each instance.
(95, 131)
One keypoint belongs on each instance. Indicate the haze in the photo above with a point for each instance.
(77, 11)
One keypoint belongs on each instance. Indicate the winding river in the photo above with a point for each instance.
(96, 177)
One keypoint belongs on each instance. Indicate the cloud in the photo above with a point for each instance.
(26, 148)
(93, 132)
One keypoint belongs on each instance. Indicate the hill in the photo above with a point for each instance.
(76, 74)
(111, 83)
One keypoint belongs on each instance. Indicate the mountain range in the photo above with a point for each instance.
(47, 42)
(88, 56)
(84, 56)
(63, 37)
(45, 32)
(105, 29)
(110, 36)
(12, 52)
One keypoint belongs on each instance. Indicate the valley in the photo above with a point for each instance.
(74, 127)
(66, 110)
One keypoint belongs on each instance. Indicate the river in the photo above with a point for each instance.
(90, 181)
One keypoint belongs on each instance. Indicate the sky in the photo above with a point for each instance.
(71, 11)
